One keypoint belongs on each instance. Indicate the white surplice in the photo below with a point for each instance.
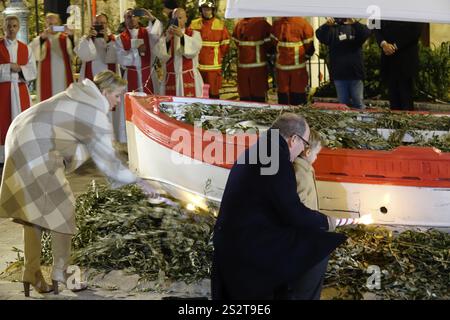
(190, 50)
(131, 57)
(98, 51)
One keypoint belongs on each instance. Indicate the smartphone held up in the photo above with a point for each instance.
(99, 29)
(139, 12)
(58, 28)
(173, 22)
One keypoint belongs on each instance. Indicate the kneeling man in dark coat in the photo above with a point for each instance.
(267, 244)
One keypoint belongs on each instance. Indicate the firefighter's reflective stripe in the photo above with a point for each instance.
(216, 45)
(249, 43)
(257, 45)
(290, 44)
(210, 67)
(210, 43)
(309, 40)
(296, 45)
(252, 65)
(290, 67)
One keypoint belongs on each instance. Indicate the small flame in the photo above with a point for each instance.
(366, 219)
(190, 207)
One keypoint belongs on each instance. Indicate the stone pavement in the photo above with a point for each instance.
(114, 285)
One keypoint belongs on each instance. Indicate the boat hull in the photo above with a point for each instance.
(348, 183)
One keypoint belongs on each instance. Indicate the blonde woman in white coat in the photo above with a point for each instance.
(43, 144)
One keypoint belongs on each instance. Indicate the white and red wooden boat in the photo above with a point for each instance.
(405, 186)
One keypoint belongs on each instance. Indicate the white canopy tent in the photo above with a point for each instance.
(437, 11)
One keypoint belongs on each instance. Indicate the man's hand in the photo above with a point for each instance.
(176, 31)
(169, 34)
(69, 31)
(92, 33)
(388, 48)
(148, 14)
(44, 34)
(15, 67)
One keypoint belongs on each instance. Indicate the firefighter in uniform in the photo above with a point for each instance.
(293, 40)
(252, 38)
(215, 44)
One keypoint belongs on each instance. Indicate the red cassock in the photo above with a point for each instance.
(88, 71)
(46, 65)
(132, 73)
(5, 88)
(188, 77)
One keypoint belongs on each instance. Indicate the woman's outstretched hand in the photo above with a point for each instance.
(153, 196)
(147, 188)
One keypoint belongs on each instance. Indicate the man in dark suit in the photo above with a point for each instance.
(399, 60)
(265, 239)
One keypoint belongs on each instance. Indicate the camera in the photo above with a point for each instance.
(58, 28)
(99, 28)
(174, 22)
(340, 20)
(138, 12)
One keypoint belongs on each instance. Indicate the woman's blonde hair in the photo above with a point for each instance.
(109, 81)
(315, 140)
(315, 143)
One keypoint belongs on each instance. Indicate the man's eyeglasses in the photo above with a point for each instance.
(306, 143)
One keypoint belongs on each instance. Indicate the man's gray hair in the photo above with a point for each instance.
(289, 124)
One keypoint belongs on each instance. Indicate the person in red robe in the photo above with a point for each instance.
(97, 49)
(53, 51)
(17, 66)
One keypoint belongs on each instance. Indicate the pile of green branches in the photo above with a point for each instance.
(349, 129)
(413, 264)
(119, 229)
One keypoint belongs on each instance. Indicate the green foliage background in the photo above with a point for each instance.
(157, 6)
(432, 82)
